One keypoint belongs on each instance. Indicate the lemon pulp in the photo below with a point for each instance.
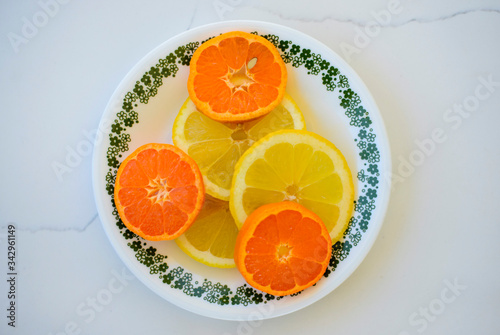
(299, 166)
(216, 146)
(212, 237)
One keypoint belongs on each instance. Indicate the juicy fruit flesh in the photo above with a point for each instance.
(156, 192)
(216, 146)
(237, 74)
(214, 230)
(295, 173)
(285, 252)
(240, 86)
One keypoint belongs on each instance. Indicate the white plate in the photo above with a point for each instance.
(336, 105)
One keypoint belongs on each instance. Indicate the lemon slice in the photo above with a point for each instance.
(216, 147)
(299, 166)
(212, 237)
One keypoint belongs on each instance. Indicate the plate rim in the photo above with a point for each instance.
(375, 223)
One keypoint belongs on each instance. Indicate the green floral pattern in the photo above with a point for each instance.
(335, 82)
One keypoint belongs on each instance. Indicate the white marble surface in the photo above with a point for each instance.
(442, 224)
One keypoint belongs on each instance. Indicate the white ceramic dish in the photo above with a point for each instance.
(336, 105)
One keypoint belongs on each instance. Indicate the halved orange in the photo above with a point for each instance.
(282, 248)
(158, 191)
(236, 76)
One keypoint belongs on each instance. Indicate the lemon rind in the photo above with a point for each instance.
(204, 257)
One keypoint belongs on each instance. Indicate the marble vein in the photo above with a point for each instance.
(393, 24)
(195, 11)
(26, 228)
(450, 16)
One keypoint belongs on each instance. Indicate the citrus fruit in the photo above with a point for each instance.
(236, 76)
(158, 191)
(211, 238)
(217, 146)
(299, 166)
(282, 248)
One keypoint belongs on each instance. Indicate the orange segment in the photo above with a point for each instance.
(211, 63)
(263, 94)
(134, 176)
(282, 248)
(234, 51)
(236, 77)
(158, 191)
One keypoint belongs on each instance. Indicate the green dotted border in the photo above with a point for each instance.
(368, 176)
